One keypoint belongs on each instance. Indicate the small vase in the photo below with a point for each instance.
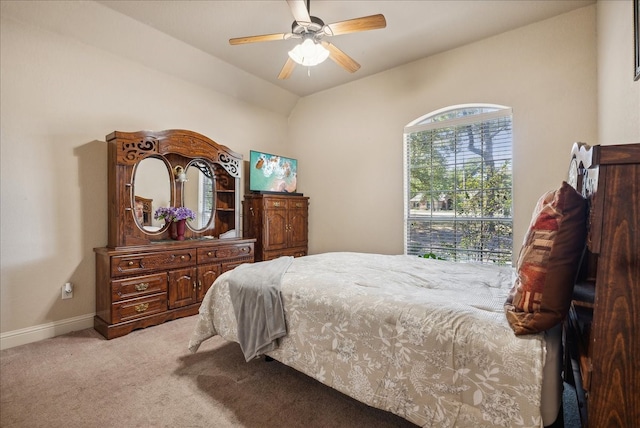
(180, 227)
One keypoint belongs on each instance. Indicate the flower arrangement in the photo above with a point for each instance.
(170, 214)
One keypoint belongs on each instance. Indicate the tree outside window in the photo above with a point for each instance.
(458, 180)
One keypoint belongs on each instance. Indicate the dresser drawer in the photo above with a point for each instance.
(225, 252)
(275, 203)
(129, 288)
(138, 308)
(297, 204)
(134, 264)
(284, 203)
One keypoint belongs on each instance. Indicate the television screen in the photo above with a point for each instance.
(272, 173)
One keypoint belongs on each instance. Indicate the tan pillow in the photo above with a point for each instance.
(548, 262)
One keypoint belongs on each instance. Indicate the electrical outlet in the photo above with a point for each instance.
(67, 291)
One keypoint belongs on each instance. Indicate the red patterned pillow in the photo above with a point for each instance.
(548, 262)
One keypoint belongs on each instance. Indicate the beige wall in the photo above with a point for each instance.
(618, 93)
(349, 139)
(59, 98)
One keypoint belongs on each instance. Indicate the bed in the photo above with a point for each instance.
(439, 343)
(431, 350)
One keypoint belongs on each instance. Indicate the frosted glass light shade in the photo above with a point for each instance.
(309, 53)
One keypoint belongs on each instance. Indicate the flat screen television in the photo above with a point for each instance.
(270, 173)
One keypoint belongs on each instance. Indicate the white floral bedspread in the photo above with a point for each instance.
(424, 339)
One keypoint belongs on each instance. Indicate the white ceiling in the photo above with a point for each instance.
(415, 29)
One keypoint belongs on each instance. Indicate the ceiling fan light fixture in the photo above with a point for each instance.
(309, 53)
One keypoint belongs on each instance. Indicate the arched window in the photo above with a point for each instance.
(458, 184)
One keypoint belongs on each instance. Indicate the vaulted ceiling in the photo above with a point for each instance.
(415, 29)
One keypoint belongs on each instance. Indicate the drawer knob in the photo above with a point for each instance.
(209, 254)
(141, 307)
(130, 263)
(276, 204)
(182, 257)
(142, 286)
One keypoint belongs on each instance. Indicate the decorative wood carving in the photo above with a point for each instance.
(175, 148)
(143, 277)
(603, 327)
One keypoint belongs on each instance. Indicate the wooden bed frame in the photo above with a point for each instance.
(603, 327)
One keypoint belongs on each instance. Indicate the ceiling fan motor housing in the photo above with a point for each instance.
(314, 27)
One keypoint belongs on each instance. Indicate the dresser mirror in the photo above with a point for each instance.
(199, 193)
(150, 271)
(174, 168)
(151, 189)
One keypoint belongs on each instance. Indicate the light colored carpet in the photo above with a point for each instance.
(149, 379)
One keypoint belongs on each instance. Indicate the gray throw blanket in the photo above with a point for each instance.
(255, 294)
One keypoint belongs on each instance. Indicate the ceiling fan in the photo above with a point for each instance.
(312, 30)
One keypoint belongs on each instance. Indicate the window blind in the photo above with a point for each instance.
(459, 185)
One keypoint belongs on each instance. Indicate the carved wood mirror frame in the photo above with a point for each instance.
(177, 148)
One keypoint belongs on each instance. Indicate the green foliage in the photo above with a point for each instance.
(431, 256)
(460, 183)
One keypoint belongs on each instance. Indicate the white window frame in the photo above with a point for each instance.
(424, 123)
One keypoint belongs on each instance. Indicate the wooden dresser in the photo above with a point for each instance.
(142, 286)
(602, 331)
(146, 274)
(279, 223)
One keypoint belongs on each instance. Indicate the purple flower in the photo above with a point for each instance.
(163, 213)
(174, 214)
(183, 213)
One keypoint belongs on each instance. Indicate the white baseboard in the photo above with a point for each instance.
(44, 331)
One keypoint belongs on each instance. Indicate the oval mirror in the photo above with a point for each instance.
(197, 193)
(151, 190)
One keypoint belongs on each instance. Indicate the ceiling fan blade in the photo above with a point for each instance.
(287, 69)
(365, 23)
(255, 39)
(300, 12)
(341, 58)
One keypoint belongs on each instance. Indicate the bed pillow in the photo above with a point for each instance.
(548, 262)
